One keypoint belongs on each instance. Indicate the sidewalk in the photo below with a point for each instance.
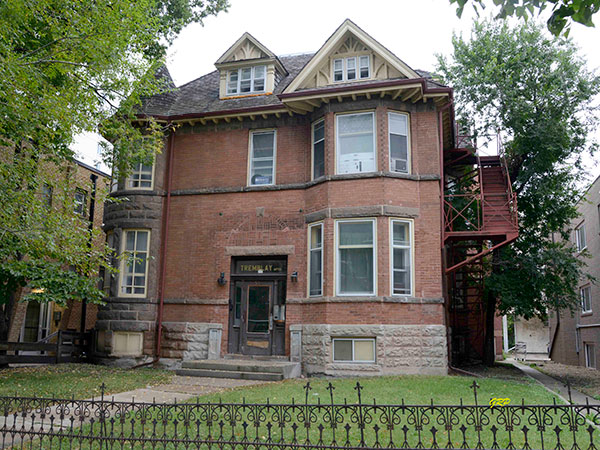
(553, 385)
(178, 390)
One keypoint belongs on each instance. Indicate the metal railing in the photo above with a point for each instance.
(44, 423)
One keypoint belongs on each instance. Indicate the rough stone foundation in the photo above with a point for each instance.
(191, 340)
(400, 349)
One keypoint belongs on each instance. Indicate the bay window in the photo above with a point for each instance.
(398, 142)
(134, 266)
(262, 157)
(401, 254)
(355, 143)
(141, 177)
(355, 257)
(315, 260)
(318, 149)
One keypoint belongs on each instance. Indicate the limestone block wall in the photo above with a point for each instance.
(400, 349)
(191, 340)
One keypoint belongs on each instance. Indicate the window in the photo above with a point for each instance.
(401, 258)
(398, 141)
(355, 143)
(47, 195)
(354, 350)
(318, 144)
(126, 343)
(141, 177)
(345, 69)
(586, 299)
(580, 237)
(262, 157)
(80, 202)
(246, 80)
(315, 260)
(590, 356)
(355, 257)
(135, 262)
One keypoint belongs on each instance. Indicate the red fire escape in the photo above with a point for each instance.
(480, 216)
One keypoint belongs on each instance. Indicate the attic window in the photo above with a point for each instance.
(353, 68)
(246, 80)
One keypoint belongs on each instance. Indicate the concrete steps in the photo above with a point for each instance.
(241, 369)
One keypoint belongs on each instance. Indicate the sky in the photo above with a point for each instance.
(415, 30)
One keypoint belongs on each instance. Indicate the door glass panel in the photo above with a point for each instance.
(237, 307)
(32, 322)
(258, 309)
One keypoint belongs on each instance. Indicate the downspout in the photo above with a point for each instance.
(163, 253)
(163, 250)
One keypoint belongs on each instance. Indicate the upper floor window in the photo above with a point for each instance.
(580, 237)
(134, 269)
(246, 80)
(401, 258)
(80, 202)
(318, 153)
(586, 299)
(47, 195)
(141, 177)
(352, 68)
(398, 140)
(315, 261)
(262, 157)
(355, 257)
(355, 143)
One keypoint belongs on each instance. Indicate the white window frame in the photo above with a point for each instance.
(313, 142)
(408, 146)
(309, 252)
(582, 292)
(253, 78)
(589, 349)
(579, 233)
(136, 175)
(78, 204)
(353, 361)
(123, 263)
(338, 258)
(337, 140)
(411, 245)
(251, 155)
(357, 66)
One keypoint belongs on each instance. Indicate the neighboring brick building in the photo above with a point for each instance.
(575, 338)
(296, 210)
(32, 321)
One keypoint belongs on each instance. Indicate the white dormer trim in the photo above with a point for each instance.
(225, 57)
(330, 45)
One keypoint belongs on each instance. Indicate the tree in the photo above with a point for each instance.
(536, 92)
(564, 12)
(69, 66)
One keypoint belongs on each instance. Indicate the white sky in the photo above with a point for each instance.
(415, 30)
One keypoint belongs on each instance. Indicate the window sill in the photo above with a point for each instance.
(586, 313)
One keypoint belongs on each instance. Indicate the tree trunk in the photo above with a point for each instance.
(489, 344)
(6, 311)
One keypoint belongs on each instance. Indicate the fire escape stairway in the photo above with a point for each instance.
(496, 211)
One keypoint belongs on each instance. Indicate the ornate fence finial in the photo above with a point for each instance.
(102, 389)
(330, 388)
(569, 391)
(358, 388)
(475, 386)
(307, 388)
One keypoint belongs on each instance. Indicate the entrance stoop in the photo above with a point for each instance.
(241, 369)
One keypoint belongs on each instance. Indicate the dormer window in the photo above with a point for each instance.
(352, 68)
(247, 80)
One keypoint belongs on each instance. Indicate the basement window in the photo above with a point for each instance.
(355, 350)
(590, 356)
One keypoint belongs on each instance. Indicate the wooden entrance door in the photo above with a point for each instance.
(257, 317)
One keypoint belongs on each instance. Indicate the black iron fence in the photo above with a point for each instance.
(42, 423)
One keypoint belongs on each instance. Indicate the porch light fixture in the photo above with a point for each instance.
(294, 277)
(221, 280)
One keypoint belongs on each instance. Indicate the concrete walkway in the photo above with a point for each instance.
(553, 385)
(178, 390)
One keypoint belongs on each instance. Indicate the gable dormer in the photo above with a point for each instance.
(350, 55)
(248, 68)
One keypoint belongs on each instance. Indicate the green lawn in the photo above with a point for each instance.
(78, 380)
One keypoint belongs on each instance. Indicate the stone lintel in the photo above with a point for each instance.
(260, 250)
(362, 211)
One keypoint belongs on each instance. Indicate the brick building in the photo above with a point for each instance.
(296, 211)
(575, 338)
(33, 321)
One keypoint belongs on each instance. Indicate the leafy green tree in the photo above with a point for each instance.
(537, 93)
(564, 12)
(66, 67)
